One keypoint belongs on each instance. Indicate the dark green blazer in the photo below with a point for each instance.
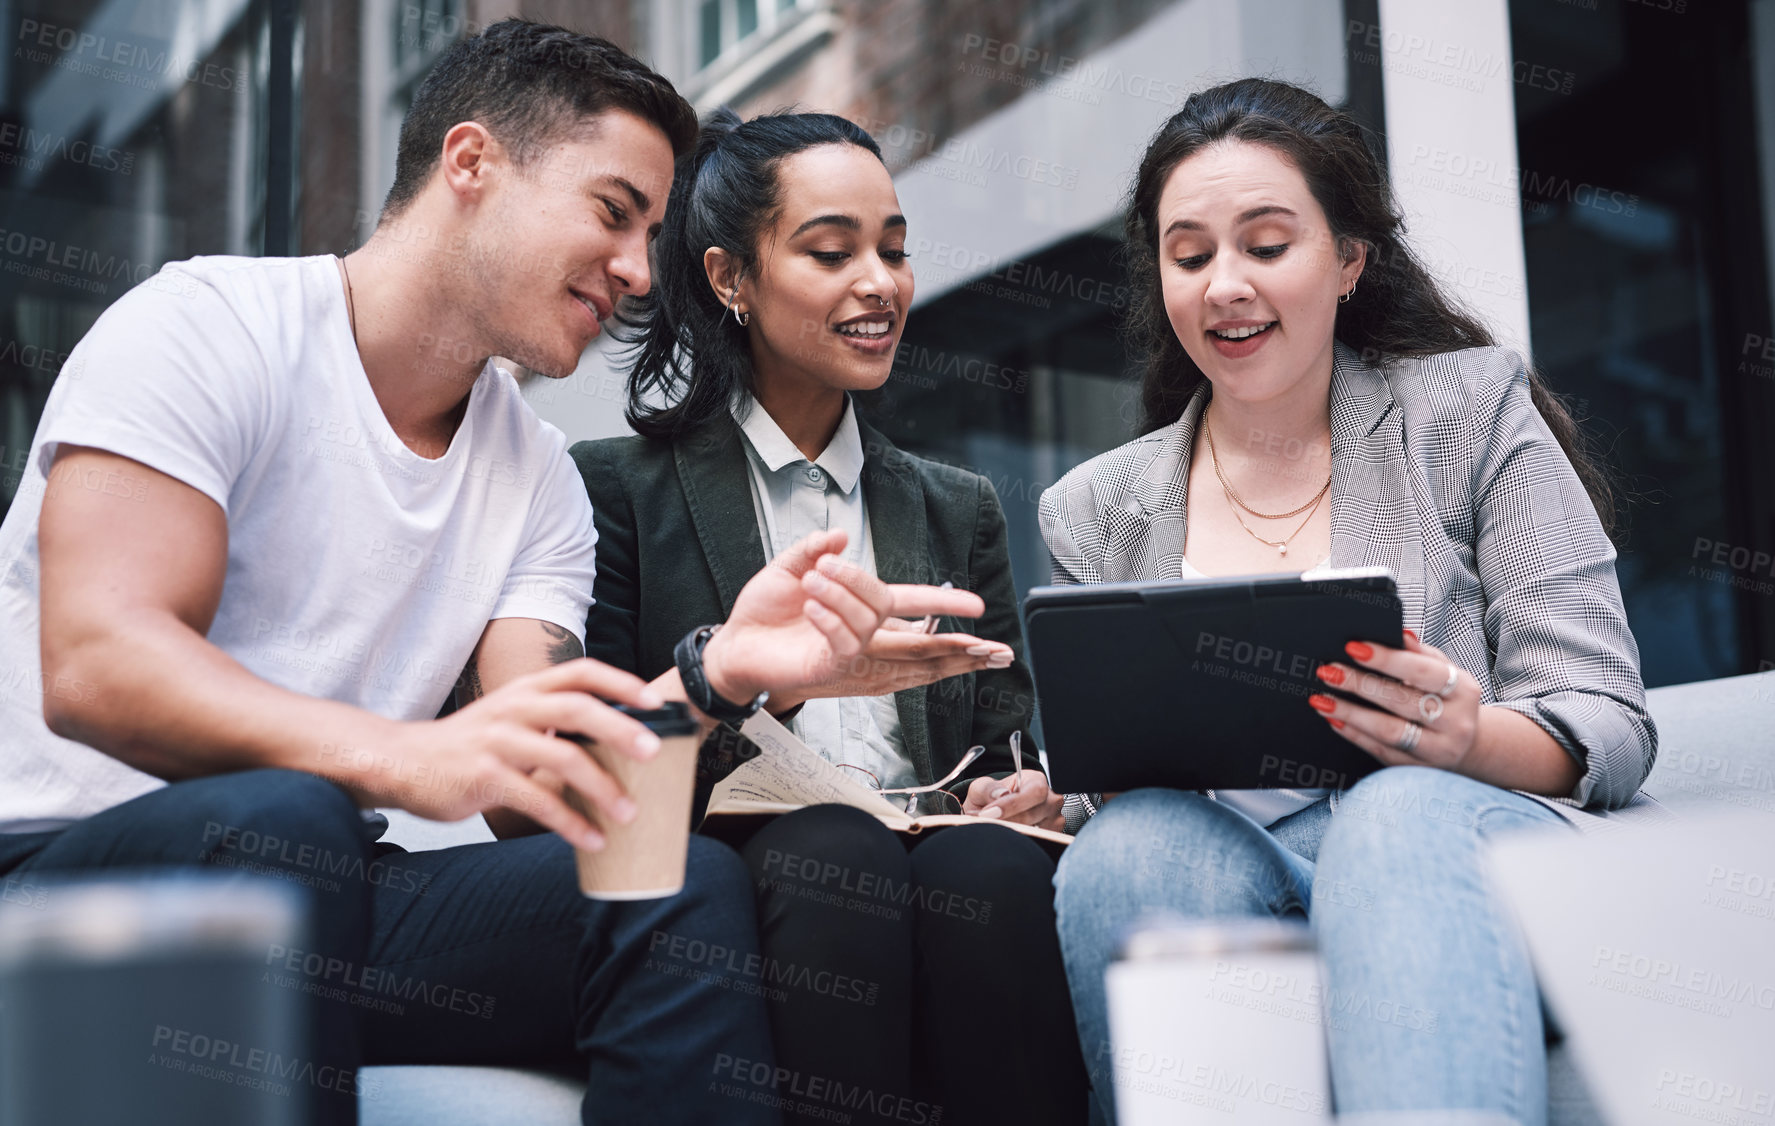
(678, 538)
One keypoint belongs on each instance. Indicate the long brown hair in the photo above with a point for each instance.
(1397, 311)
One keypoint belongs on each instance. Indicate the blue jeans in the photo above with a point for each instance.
(1432, 1010)
(480, 954)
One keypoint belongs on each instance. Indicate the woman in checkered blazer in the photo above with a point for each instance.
(1313, 400)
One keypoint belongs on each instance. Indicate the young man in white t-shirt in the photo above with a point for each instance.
(277, 509)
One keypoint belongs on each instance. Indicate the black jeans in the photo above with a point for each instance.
(913, 986)
(480, 954)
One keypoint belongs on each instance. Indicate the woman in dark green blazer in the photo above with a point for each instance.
(677, 538)
(928, 973)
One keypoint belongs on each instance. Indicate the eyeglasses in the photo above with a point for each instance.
(921, 801)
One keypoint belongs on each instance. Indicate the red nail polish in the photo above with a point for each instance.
(1330, 674)
(1361, 650)
(1337, 723)
(1323, 703)
(1413, 634)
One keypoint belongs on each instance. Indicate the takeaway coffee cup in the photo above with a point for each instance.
(645, 858)
(1218, 1022)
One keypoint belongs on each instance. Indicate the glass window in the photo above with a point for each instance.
(1630, 126)
(710, 24)
(125, 142)
(722, 26)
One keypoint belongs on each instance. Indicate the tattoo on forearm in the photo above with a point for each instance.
(563, 646)
(468, 685)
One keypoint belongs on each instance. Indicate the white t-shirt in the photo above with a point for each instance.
(358, 571)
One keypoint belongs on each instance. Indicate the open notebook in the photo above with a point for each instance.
(788, 774)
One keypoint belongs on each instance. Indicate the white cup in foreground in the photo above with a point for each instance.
(1218, 1022)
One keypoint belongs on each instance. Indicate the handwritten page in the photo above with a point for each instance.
(791, 773)
(788, 774)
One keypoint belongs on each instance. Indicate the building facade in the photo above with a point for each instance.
(1596, 178)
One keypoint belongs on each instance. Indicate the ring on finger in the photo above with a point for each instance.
(1454, 677)
(1408, 742)
(1430, 707)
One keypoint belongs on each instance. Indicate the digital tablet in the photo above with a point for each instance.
(1201, 683)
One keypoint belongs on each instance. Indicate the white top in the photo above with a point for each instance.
(792, 499)
(357, 570)
(1266, 807)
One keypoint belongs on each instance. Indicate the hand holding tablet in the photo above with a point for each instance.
(1411, 706)
(1205, 684)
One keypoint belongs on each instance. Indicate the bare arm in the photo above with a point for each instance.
(1512, 751)
(511, 648)
(1457, 732)
(130, 586)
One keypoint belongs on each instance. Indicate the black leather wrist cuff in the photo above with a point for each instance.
(702, 697)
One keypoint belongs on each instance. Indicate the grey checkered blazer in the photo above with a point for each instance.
(1443, 471)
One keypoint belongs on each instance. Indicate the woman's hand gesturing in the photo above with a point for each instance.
(809, 620)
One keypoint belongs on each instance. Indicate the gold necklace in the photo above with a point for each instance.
(1234, 497)
(1226, 486)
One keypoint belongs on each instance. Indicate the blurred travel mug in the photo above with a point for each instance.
(645, 858)
(1218, 1022)
(142, 1000)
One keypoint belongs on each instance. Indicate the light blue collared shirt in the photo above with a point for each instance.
(794, 498)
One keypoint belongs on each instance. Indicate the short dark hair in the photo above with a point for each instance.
(528, 83)
(689, 358)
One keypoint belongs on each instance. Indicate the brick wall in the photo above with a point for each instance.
(935, 68)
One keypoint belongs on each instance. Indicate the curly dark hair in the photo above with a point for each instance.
(1397, 311)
